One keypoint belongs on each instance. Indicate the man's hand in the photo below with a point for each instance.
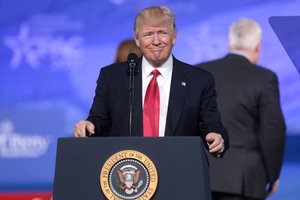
(215, 143)
(273, 188)
(84, 128)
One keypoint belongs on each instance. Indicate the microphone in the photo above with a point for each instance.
(132, 63)
(132, 72)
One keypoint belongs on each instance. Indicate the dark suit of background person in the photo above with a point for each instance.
(248, 99)
(192, 108)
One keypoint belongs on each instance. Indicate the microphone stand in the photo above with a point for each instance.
(132, 72)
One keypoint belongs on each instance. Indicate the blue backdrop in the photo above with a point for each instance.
(52, 51)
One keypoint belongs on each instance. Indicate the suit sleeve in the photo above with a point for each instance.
(210, 118)
(99, 113)
(271, 128)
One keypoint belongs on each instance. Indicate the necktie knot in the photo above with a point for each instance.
(155, 73)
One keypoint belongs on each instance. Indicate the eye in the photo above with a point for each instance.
(148, 34)
(163, 33)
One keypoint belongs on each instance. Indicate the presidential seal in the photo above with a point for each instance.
(128, 174)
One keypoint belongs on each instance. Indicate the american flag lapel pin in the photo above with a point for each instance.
(183, 83)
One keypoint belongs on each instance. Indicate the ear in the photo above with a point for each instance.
(174, 39)
(137, 42)
(255, 53)
(257, 48)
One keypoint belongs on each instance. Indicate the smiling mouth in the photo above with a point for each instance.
(156, 49)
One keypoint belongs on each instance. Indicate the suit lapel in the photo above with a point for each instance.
(137, 105)
(179, 87)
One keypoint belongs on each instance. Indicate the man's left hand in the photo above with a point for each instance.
(215, 143)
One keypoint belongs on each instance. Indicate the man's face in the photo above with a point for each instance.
(156, 42)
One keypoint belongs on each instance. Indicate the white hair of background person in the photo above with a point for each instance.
(244, 34)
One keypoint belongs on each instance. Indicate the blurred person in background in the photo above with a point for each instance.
(126, 47)
(249, 102)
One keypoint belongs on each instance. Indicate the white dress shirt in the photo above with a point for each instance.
(164, 84)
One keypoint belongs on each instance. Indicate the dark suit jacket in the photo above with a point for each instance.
(192, 107)
(248, 99)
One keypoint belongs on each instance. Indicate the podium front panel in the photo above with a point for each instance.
(181, 165)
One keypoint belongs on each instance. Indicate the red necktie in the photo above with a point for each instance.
(151, 108)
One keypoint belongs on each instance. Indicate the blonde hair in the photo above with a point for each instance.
(126, 47)
(157, 14)
(244, 34)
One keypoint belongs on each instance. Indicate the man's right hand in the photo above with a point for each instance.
(273, 188)
(84, 128)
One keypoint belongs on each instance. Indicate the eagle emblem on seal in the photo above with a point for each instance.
(129, 178)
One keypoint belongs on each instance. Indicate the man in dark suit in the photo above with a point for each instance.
(186, 104)
(248, 99)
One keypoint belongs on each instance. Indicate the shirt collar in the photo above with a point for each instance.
(165, 70)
